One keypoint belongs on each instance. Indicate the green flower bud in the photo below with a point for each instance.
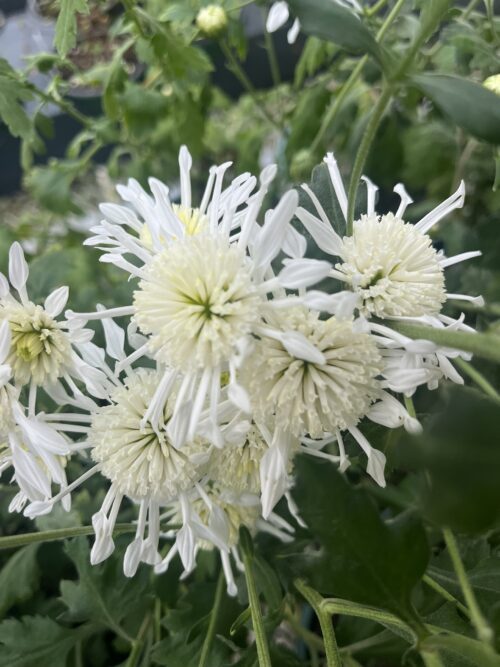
(212, 20)
(493, 83)
(302, 164)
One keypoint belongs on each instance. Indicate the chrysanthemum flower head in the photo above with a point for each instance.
(314, 394)
(139, 460)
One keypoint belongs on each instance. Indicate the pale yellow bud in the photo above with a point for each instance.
(493, 83)
(212, 20)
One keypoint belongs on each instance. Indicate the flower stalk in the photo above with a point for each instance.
(333, 658)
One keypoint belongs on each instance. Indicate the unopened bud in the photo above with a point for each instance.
(303, 163)
(212, 20)
(493, 83)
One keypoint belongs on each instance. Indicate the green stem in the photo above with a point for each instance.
(333, 111)
(253, 599)
(209, 637)
(130, 9)
(333, 658)
(468, 10)
(376, 8)
(137, 644)
(445, 594)
(484, 345)
(477, 377)
(273, 60)
(16, 541)
(483, 630)
(363, 151)
(410, 406)
(310, 638)
(60, 102)
(337, 606)
(431, 659)
(370, 642)
(239, 73)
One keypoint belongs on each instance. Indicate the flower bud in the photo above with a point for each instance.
(212, 20)
(302, 164)
(493, 83)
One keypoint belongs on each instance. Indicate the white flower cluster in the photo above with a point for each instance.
(225, 365)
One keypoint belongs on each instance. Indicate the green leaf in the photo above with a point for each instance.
(35, 641)
(334, 23)
(460, 461)
(13, 93)
(362, 559)
(102, 593)
(470, 105)
(18, 577)
(66, 26)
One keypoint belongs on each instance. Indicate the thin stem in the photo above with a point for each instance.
(137, 644)
(477, 377)
(483, 630)
(240, 74)
(273, 60)
(310, 638)
(16, 541)
(410, 406)
(484, 345)
(363, 151)
(332, 654)
(333, 111)
(253, 599)
(465, 156)
(376, 8)
(431, 659)
(209, 637)
(445, 594)
(60, 102)
(370, 642)
(130, 9)
(468, 10)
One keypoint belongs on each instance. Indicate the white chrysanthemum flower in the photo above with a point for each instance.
(311, 396)
(197, 299)
(43, 350)
(35, 450)
(202, 297)
(237, 465)
(211, 518)
(139, 460)
(279, 13)
(393, 269)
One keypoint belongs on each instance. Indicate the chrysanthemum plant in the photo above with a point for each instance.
(257, 434)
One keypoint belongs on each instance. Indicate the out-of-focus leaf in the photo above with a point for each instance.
(36, 641)
(470, 105)
(18, 577)
(460, 458)
(362, 558)
(12, 96)
(102, 594)
(51, 186)
(66, 26)
(330, 21)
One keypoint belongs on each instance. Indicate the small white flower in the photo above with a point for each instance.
(140, 461)
(395, 273)
(43, 350)
(308, 395)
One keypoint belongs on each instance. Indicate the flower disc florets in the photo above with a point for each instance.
(40, 350)
(236, 466)
(314, 398)
(212, 20)
(196, 300)
(393, 267)
(140, 461)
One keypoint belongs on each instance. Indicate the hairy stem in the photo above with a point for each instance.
(444, 593)
(16, 541)
(477, 377)
(255, 610)
(209, 637)
(333, 658)
(483, 630)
